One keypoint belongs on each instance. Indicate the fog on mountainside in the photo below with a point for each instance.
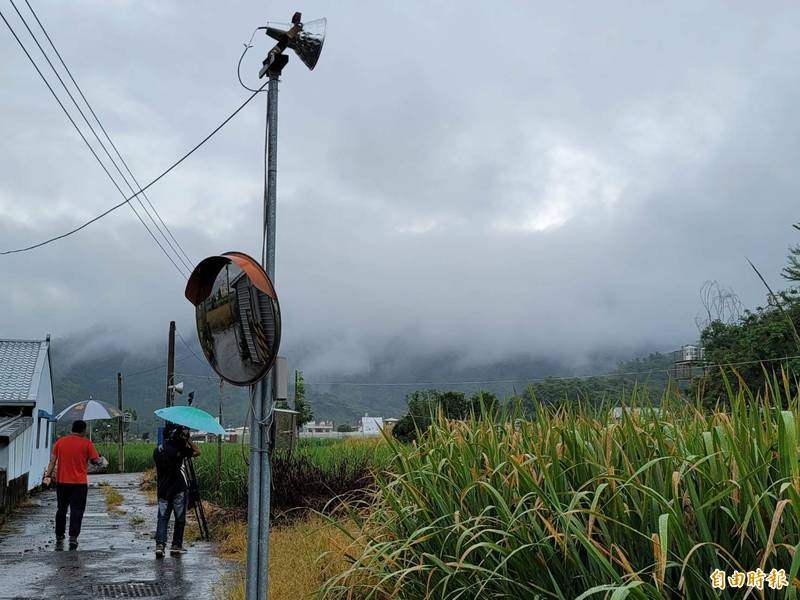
(87, 365)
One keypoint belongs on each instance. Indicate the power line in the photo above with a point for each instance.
(541, 379)
(198, 375)
(473, 382)
(188, 348)
(75, 125)
(247, 46)
(102, 145)
(105, 133)
(143, 189)
(151, 369)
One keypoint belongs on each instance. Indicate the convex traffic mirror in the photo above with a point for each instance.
(238, 316)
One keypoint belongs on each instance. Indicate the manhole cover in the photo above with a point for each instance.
(130, 589)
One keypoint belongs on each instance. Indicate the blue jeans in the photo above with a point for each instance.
(165, 509)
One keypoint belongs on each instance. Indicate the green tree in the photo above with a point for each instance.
(132, 417)
(483, 403)
(344, 428)
(301, 404)
(424, 405)
(792, 270)
(754, 342)
(751, 346)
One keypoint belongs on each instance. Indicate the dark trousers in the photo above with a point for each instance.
(72, 496)
(166, 506)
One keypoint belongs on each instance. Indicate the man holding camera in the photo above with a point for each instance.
(69, 459)
(173, 489)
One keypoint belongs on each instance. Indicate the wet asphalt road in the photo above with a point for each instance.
(115, 558)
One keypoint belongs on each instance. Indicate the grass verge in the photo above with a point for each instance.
(302, 555)
(113, 499)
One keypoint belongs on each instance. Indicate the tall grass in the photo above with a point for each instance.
(577, 504)
(138, 456)
(307, 479)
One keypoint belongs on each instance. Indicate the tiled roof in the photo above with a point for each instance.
(11, 427)
(21, 364)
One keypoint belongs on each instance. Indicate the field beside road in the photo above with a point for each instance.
(309, 478)
(305, 482)
(573, 501)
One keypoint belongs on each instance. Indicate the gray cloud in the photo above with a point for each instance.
(542, 180)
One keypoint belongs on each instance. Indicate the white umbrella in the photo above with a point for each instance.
(89, 410)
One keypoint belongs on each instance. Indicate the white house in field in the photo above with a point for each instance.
(26, 416)
(371, 425)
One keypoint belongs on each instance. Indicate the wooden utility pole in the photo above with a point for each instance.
(219, 437)
(170, 365)
(121, 430)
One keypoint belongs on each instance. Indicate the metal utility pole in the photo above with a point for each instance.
(121, 431)
(258, 533)
(306, 40)
(219, 437)
(267, 395)
(170, 365)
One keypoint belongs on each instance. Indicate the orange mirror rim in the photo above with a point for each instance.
(201, 282)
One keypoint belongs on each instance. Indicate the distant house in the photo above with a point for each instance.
(26, 419)
(371, 425)
(284, 431)
(237, 435)
(314, 427)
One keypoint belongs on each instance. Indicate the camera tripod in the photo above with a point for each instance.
(195, 501)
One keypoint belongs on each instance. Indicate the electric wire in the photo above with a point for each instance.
(266, 198)
(186, 344)
(143, 189)
(151, 369)
(83, 137)
(247, 46)
(105, 133)
(105, 149)
(528, 380)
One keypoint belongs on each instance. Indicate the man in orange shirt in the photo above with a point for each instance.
(72, 453)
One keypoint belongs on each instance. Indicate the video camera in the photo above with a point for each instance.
(176, 433)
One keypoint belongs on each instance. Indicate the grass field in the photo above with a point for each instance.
(570, 504)
(578, 504)
(316, 472)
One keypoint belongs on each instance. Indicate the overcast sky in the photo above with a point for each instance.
(490, 178)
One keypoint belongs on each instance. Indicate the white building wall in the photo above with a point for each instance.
(40, 456)
(19, 454)
(371, 425)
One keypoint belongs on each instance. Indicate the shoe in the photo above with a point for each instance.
(59, 542)
(159, 550)
(73, 543)
(177, 551)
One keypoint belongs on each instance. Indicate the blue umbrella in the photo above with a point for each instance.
(191, 417)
